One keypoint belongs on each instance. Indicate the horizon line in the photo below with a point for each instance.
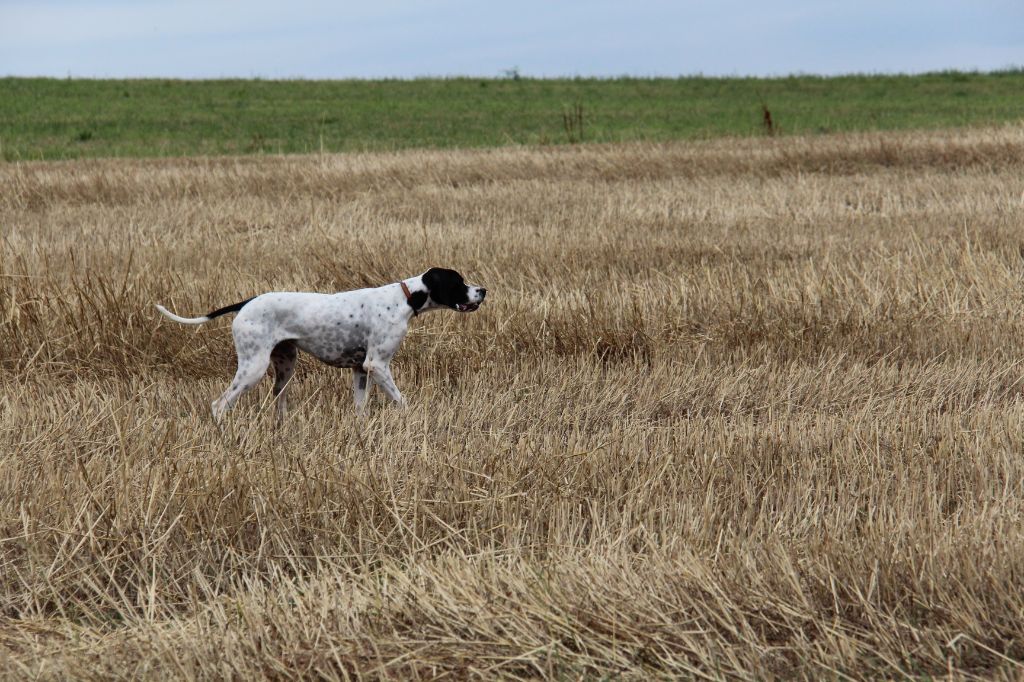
(514, 75)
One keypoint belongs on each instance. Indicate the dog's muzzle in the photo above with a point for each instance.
(470, 306)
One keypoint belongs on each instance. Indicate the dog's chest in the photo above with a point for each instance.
(346, 357)
(342, 334)
(337, 345)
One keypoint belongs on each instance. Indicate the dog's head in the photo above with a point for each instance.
(447, 289)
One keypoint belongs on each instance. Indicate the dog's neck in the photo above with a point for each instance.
(415, 294)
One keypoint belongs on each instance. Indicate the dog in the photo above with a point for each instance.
(359, 329)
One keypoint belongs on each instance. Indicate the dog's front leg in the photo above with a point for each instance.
(380, 373)
(360, 388)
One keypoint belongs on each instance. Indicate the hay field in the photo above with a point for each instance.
(733, 408)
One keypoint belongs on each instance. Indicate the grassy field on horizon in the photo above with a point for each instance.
(735, 408)
(76, 118)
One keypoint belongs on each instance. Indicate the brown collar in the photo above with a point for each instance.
(408, 298)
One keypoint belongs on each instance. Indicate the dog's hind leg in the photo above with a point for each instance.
(252, 366)
(283, 357)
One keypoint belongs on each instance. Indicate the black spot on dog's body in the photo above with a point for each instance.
(418, 300)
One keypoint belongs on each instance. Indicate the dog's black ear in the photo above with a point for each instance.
(418, 300)
(434, 278)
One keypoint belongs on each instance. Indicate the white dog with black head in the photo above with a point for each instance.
(360, 329)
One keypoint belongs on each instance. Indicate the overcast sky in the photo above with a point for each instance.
(407, 38)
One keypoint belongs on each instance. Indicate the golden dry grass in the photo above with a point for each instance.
(737, 408)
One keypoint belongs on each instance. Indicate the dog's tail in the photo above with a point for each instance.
(233, 308)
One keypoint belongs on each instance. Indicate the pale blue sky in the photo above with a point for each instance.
(402, 38)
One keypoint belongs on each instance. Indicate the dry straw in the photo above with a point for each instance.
(738, 408)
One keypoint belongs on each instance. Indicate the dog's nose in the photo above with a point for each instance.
(483, 292)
